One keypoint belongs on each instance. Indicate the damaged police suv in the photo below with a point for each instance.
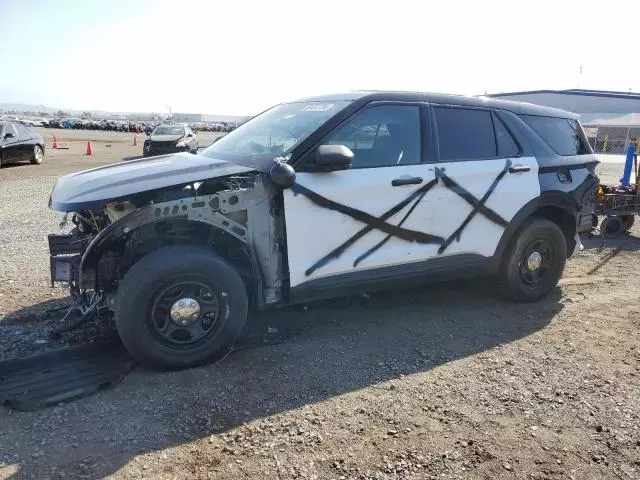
(323, 197)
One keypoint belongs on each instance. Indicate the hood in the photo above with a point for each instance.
(97, 186)
(166, 138)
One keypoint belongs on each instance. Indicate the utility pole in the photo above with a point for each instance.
(579, 76)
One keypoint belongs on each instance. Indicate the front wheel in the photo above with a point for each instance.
(38, 155)
(534, 262)
(180, 307)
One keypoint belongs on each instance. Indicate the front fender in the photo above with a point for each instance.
(207, 209)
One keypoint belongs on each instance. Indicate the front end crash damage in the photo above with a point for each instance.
(237, 216)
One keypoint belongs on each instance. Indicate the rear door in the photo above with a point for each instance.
(374, 215)
(26, 141)
(10, 144)
(483, 179)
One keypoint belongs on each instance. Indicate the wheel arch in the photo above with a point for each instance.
(558, 207)
(119, 235)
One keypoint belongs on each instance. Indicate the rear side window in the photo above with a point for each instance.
(469, 134)
(23, 132)
(564, 135)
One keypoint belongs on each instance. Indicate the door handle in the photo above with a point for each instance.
(397, 182)
(519, 169)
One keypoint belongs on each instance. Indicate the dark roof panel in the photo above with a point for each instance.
(366, 96)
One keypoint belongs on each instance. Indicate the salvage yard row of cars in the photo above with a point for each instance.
(19, 143)
(318, 198)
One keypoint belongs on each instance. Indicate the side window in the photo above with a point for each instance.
(23, 132)
(382, 136)
(465, 134)
(564, 135)
(507, 146)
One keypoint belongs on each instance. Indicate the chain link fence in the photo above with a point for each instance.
(612, 139)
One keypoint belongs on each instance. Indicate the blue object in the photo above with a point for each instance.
(628, 164)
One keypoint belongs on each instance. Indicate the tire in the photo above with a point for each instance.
(38, 155)
(628, 221)
(523, 283)
(142, 307)
(612, 226)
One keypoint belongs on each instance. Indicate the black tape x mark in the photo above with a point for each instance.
(373, 223)
(478, 205)
(380, 223)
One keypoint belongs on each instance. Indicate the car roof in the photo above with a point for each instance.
(365, 96)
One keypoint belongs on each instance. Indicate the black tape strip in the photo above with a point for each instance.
(336, 252)
(470, 199)
(559, 167)
(388, 237)
(456, 235)
(375, 222)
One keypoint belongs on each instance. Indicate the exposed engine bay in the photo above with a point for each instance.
(237, 216)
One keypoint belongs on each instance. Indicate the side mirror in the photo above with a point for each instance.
(330, 158)
(9, 135)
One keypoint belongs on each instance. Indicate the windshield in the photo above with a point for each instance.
(275, 132)
(169, 130)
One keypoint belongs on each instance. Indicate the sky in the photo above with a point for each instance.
(239, 57)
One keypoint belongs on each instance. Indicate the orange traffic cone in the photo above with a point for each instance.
(89, 148)
(55, 142)
(135, 140)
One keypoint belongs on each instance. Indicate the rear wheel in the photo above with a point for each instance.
(612, 226)
(180, 307)
(38, 155)
(534, 261)
(628, 221)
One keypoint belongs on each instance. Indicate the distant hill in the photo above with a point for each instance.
(36, 109)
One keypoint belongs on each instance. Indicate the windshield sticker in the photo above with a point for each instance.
(318, 107)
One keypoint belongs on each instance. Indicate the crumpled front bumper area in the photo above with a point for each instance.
(65, 252)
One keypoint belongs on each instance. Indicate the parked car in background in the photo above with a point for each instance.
(170, 138)
(19, 143)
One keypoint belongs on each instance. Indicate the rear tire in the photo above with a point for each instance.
(628, 221)
(612, 226)
(38, 155)
(150, 294)
(534, 261)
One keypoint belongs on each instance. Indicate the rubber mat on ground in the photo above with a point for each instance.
(43, 380)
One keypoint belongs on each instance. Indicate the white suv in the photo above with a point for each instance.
(318, 198)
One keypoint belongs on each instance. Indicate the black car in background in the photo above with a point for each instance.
(19, 143)
(170, 138)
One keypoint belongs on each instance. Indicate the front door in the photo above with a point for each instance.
(483, 180)
(376, 214)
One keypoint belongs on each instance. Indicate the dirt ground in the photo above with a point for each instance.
(446, 382)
